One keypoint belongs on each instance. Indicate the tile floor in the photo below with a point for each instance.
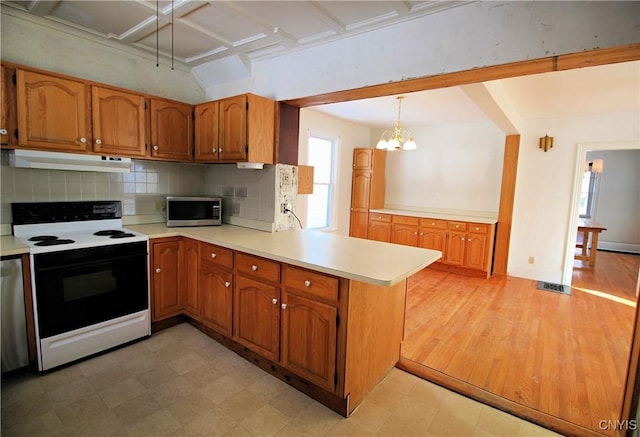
(180, 382)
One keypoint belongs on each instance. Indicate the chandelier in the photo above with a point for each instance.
(397, 141)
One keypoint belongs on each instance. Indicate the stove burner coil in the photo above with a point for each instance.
(43, 238)
(108, 232)
(54, 242)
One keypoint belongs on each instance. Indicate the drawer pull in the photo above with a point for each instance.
(283, 306)
(307, 283)
(227, 284)
(477, 228)
(274, 301)
(433, 224)
(213, 255)
(254, 267)
(457, 226)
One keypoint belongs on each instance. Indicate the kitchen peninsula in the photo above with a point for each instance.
(322, 312)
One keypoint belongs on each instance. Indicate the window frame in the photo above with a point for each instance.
(331, 197)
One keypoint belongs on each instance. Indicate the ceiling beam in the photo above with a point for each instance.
(502, 113)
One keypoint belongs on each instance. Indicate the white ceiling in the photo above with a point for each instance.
(570, 93)
(207, 30)
(217, 30)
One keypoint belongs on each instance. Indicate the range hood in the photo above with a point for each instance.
(68, 161)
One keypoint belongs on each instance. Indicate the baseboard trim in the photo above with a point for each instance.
(610, 246)
(539, 418)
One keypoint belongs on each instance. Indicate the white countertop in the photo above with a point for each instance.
(455, 216)
(362, 260)
(10, 245)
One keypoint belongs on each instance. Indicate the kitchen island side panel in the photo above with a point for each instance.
(375, 326)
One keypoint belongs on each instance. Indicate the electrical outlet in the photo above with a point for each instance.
(532, 260)
(284, 207)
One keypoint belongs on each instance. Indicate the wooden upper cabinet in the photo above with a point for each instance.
(118, 122)
(171, 130)
(207, 141)
(236, 129)
(233, 129)
(53, 113)
(8, 107)
(363, 159)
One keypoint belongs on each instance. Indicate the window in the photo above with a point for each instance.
(319, 204)
(587, 193)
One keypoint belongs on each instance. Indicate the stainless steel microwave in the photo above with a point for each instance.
(194, 211)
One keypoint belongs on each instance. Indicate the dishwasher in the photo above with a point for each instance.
(12, 312)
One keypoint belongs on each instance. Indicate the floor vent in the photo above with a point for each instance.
(556, 288)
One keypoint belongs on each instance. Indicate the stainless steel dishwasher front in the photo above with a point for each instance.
(12, 310)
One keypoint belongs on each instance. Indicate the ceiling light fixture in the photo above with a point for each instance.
(397, 141)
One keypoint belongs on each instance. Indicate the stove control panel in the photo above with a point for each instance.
(55, 212)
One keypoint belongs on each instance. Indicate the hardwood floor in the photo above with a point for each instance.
(562, 356)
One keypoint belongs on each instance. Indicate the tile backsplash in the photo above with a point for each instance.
(252, 195)
(142, 191)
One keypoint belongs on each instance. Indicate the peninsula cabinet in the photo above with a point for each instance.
(235, 129)
(367, 187)
(166, 263)
(171, 130)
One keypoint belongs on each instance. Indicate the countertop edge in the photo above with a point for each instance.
(437, 215)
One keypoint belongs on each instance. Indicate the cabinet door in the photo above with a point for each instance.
(118, 122)
(476, 251)
(432, 239)
(456, 245)
(207, 132)
(53, 113)
(360, 189)
(358, 223)
(191, 295)
(309, 339)
(167, 278)
(8, 106)
(256, 313)
(379, 231)
(404, 234)
(362, 159)
(233, 129)
(216, 298)
(171, 130)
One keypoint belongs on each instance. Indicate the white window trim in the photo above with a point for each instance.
(333, 209)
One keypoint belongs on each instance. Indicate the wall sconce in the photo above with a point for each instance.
(597, 166)
(546, 142)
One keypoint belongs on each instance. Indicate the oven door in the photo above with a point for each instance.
(82, 287)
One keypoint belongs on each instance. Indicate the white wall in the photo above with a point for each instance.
(350, 136)
(27, 43)
(618, 199)
(544, 187)
(455, 167)
(470, 36)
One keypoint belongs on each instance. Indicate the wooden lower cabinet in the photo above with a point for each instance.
(216, 298)
(191, 290)
(256, 310)
(331, 338)
(166, 278)
(379, 227)
(358, 223)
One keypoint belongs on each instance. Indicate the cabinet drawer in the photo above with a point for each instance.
(479, 228)
(433, 223)
(258, 267)
(311, 283)
(458, 226)
(404, 220)
(216, 255)
(376, 217)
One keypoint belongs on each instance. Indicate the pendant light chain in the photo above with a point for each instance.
(172, 26)
(157, 33)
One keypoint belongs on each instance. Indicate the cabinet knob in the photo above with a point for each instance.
(469, 239)
(421, 233)
(415, 233)
(158, 270)
(220, 150)
(433, 224)
(274, 301)
(462, 238)
(457, 226)
(3, 131)
(307, 283)
(477, 228)
(83, 140)
(227, 284)
(98, 141)
(213, 255)
(155, 147)
(283, 306)
(254, 267)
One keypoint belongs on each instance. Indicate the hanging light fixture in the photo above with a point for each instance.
(396, 140)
